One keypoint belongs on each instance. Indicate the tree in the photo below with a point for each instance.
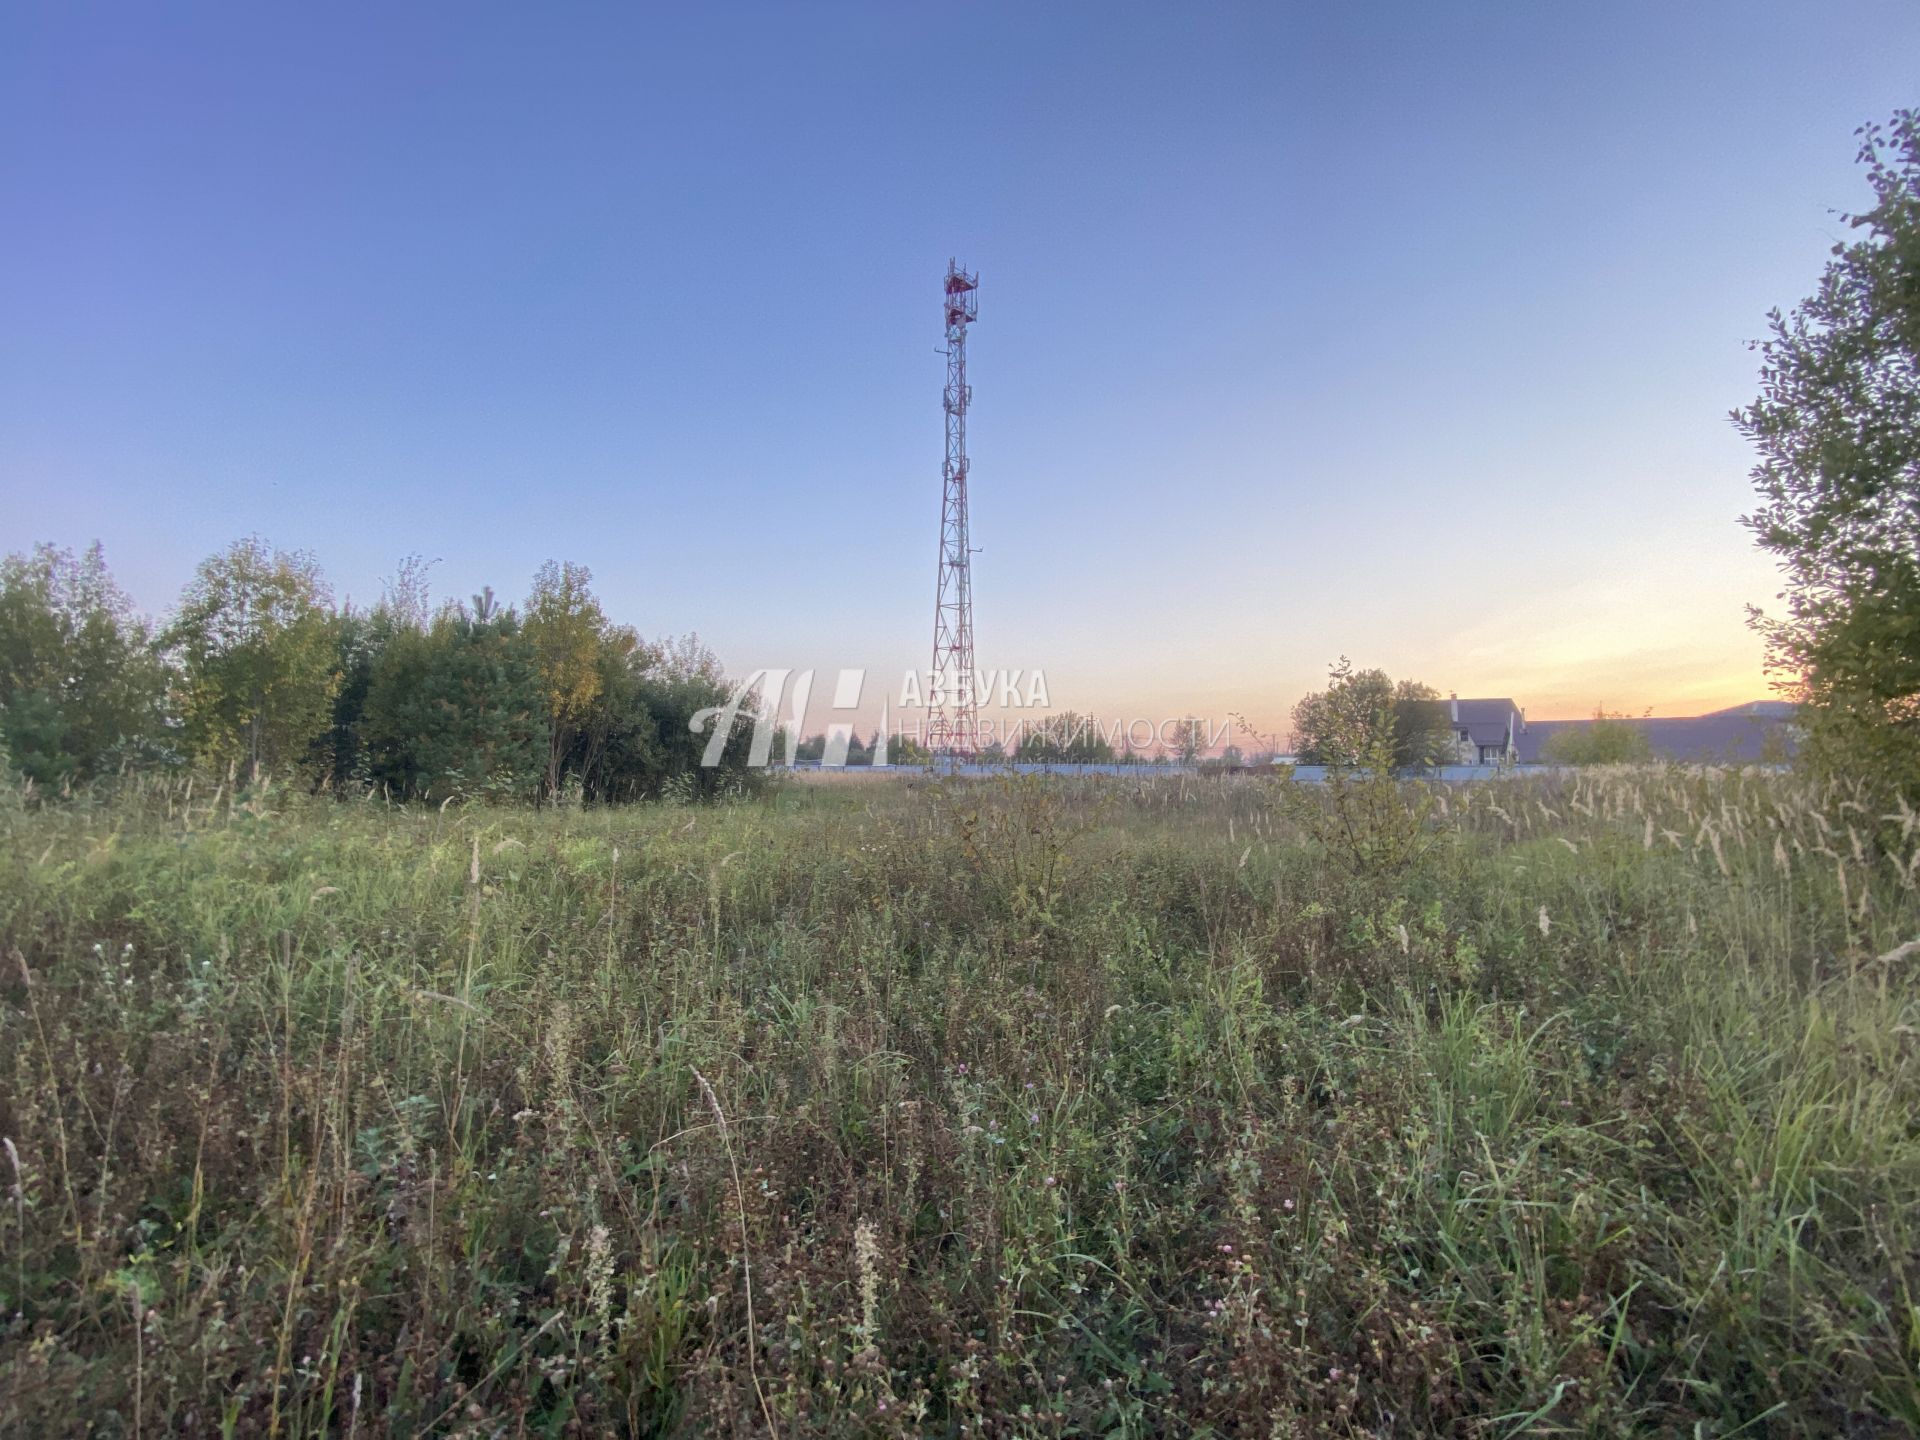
(254, 638)
(360, 638)
(1422, 733)
(80, 685)
(684, 680)
(457, 709)
(1335, 726)
(618, 718)
(902, 750)
(1067, 738)
(1188, 740)
(905, 750)
(1604, 740)
(1837, 427)
(407, 597)
(565, 624)
(1360, 709)
(1369, 820)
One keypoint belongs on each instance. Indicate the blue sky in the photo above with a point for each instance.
(1403, 332)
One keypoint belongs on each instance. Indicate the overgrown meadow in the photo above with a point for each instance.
(1028, 1107)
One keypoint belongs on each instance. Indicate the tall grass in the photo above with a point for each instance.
(1035, 1107)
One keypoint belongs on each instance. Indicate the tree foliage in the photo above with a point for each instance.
(80, 686)
(1837, 427)
(455, 709)
(663, 753)
(1607, 739)
(1348, 722)
(1067, 738)
(1366, 818)
(568, 632)
(254, 640)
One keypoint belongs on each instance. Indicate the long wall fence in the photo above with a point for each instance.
(1311, 774)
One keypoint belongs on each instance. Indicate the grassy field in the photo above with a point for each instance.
(1025, 1107)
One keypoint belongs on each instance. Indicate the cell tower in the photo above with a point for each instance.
(953, 727)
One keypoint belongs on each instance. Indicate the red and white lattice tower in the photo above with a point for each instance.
(953, 726)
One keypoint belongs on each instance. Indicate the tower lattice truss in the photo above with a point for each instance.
(953, 725)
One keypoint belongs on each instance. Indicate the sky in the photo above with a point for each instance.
(1408, 333)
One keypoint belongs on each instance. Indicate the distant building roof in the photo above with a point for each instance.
(1739, 734)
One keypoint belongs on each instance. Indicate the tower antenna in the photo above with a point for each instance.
(954, 725)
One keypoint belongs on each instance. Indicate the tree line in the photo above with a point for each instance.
(1068, 738)
(258, 671)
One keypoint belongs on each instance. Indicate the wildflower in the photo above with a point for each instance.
(1226, 1249)
(599, 1271)
(866, 1258)
(1287, 1204)
(1051, 1180)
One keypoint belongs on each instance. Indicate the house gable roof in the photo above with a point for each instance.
(1487, 722)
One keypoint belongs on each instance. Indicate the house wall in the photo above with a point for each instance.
(1468, 753)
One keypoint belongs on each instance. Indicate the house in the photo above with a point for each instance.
(1497, 732)
(1486, 732)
